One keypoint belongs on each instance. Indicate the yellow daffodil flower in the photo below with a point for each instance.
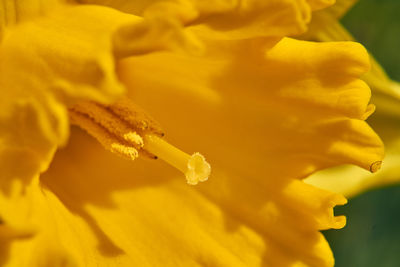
(350, 180)
(221, 77)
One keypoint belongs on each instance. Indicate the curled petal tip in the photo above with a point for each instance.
(375, 166)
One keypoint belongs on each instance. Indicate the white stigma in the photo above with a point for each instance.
(195, 167)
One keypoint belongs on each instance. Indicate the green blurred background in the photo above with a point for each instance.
(376, 24)
(372, 235)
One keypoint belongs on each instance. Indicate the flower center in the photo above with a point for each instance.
(125, 129)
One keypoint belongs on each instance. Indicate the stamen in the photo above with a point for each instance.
(108, 140)
(195, 167)
(113, 124)
(125, 129)
(134, 115)
(127, 151)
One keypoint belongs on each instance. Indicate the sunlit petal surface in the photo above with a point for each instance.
(222, 78)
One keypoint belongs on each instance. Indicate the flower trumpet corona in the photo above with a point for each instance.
(222, 78)
(350, 180)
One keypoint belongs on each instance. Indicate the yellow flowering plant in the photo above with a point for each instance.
(220, 77)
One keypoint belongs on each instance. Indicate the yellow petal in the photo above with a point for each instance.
(320, 4)
(340, 8)
(46, 63)
(325, 27)
(352, 181)
(14, 12)
(35, 243)
(227, 19)
(51, 61)
(285, 109)
(349, 180)
(106, 211)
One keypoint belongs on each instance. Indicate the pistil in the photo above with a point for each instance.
(125, 129)
(195, 167)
